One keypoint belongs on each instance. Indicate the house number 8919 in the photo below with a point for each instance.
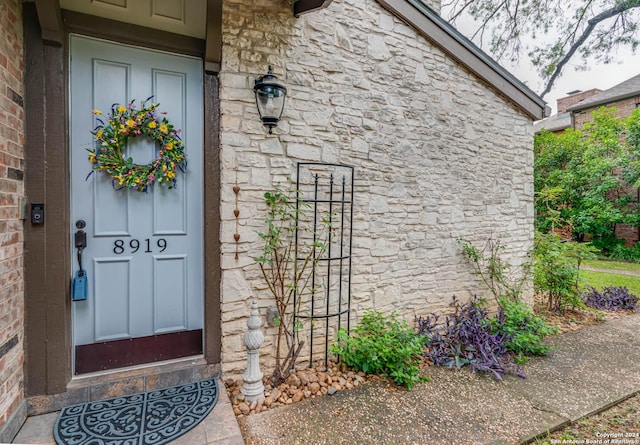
(135, 245)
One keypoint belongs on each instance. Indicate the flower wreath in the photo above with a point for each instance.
(128, 122)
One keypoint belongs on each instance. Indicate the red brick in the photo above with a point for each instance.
(11, 228)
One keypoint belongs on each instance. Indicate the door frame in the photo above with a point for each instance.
(47, 260)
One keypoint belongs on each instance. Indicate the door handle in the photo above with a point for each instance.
(80, 240)
(79, 283)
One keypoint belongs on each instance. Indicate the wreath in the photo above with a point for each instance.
(124, 123)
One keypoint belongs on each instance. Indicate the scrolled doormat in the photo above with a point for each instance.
(149, 418)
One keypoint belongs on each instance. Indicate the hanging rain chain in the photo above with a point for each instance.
(236, 213)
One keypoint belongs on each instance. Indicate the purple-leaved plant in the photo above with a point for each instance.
(465, 338)
(611, 298)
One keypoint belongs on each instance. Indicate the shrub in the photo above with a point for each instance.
(503, 280)
(383, 345)
(523, 328)
(623, 253)
(607, 244)
(466, 338)
(556, 270)
(610, 298)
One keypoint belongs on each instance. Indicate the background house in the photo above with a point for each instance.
(575, 110)
(557, 123)
(624, 97)
(439, 137)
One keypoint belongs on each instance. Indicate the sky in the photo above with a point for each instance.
(597, 75)
(601, 76)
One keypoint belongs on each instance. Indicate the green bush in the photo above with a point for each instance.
(524, 329)
(384, 346)
(623, 253)
(556, 270)
(607, 244)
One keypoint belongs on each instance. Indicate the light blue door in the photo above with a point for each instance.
(144, 254)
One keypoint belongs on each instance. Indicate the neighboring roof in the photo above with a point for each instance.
(624, 90)
(428, 23)
(557, 122)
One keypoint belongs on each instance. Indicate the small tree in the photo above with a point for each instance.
(287, 268)
(503, 280)
(557, 270)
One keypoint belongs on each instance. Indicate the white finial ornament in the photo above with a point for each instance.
(252, 386)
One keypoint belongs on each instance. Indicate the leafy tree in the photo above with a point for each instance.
(579, 28)
(582, 178)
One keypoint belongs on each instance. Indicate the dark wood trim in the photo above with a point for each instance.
(89, 25)
(212, 263)
(304, 6)
(431, 26)
(48, 340)
(47, 265)
(50, 19)
(135, 351)
(213, 52)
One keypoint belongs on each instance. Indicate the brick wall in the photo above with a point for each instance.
(624, 108)
(438, 155)
(569, 101)
(11, 188)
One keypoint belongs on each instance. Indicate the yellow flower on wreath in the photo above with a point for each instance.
(112, 136)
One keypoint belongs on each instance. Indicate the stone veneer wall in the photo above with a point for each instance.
(11, 188)
(438, 155)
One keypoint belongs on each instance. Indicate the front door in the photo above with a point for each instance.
(143, 255)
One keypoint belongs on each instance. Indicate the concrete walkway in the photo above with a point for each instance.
(588, 371)
(218, 428)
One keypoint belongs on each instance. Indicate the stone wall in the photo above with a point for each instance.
(437, 154)
(11, 188)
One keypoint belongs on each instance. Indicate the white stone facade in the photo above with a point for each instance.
(438, 155)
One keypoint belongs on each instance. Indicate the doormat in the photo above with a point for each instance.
(148, 418)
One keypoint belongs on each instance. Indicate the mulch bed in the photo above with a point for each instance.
(306, 383)
(319, 381)
(572, 320)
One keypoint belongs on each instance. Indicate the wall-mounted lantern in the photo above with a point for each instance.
(270, 96)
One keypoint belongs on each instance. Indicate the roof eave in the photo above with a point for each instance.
(433, 27)
(597, 103)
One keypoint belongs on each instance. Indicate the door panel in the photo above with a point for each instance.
(144, 256)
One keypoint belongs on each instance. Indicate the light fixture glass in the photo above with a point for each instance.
(270, 95)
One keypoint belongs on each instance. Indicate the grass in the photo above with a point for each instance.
(600, 280)
(623, 419)
(612, 265)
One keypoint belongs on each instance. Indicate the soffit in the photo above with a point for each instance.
(185, 17)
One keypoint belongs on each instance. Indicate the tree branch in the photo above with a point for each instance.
(591, 25)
